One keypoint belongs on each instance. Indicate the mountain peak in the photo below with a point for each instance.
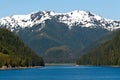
(80, 12)
(74, 18)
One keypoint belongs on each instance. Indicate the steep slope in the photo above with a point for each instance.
(45, 30)
(107, 54)
(108, 36)
(14, 53)
(56, 34)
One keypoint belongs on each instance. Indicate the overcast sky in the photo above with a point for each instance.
(106, 8)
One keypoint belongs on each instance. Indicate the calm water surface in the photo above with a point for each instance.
(62, 73)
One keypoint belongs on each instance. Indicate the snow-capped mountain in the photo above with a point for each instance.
(74, 18)
(44, 31)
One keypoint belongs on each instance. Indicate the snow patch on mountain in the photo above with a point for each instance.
(24, 21)
(74, 18)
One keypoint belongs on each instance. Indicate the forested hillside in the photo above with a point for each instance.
(14, 53)
(107, 54)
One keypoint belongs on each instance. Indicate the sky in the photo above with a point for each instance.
(106, 8)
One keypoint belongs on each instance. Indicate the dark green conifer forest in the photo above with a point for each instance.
(14, 53)
(107, 54)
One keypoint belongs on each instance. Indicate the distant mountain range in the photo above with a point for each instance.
(74, 18)
(49, 33)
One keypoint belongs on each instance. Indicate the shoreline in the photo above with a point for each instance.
(114, 66)
(15, 68)
(52, 64)
(59, 64)
(47, 64)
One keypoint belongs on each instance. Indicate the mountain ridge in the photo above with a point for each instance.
(74, 18)
(49, 32)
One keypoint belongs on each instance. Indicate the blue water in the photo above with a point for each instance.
(62, 73)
